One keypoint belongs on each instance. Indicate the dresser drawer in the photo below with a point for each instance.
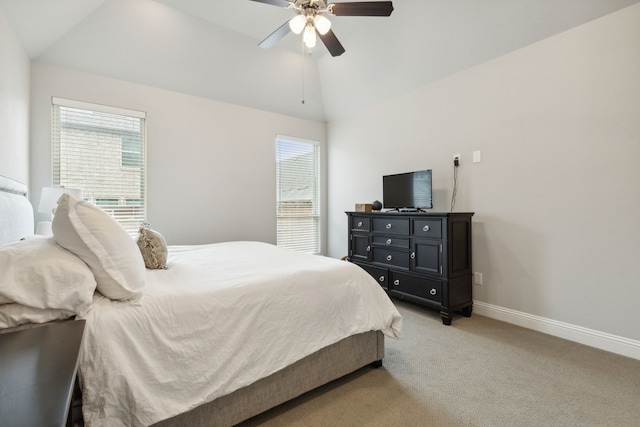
(391, 242)
(391, 225)
(360, 223)
(391, 257)
(418, 286)
(380, 274)
(427, 228)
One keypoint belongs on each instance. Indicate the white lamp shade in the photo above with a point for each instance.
(309, 36)
(297, 23)
(44, 228)
(323, 25)
(50, 195)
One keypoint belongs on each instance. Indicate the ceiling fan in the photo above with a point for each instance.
(310, 20)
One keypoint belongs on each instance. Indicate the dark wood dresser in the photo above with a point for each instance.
(422, 257)
(38, 374)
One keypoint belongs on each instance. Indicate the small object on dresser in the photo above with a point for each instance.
(376, 205)
(363, 207)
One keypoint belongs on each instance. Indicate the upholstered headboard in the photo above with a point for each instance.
(16, 213)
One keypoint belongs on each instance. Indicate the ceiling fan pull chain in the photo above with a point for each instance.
(302, 72)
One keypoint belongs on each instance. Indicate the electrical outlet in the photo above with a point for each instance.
(477, 278)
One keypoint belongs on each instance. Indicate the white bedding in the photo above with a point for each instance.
(41, 281)
(221, 317)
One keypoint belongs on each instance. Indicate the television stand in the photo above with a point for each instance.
(418, 256)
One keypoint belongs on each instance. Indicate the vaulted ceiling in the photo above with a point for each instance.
(208, 48)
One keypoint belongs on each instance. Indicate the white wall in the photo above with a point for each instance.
(152, 43)
(557, 194)
(14, 105)
(211, 165)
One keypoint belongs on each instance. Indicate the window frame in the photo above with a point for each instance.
(129, 215)
(317, 211)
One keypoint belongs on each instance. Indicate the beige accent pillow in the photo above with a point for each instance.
(103, 244)
(153, 248)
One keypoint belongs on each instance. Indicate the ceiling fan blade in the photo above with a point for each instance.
(364, 8)
(281, 3)
(275, 36)
(332, 43)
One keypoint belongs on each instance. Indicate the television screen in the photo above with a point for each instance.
(410, 190)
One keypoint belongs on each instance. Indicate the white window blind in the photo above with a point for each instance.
(101, 150)
(298, 194)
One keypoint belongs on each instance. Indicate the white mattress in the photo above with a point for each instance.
(221, 317)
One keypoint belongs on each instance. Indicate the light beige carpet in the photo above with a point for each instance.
(476, 372)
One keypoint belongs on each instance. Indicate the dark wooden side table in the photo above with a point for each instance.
(37, 374)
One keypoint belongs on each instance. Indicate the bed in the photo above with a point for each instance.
(225, 332)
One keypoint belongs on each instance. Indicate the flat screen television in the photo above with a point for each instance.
(410, 191)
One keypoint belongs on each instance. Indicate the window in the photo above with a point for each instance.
(298, 194)
(101, 150)
(131, 152)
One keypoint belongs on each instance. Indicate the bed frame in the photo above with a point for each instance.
(315, 370)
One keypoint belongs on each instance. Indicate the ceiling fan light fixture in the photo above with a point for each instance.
(309, 36)
(310, 20)
(322, 24)
(297, 23)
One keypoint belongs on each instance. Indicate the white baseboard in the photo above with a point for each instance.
(613, 343)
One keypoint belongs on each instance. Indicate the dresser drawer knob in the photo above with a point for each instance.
(368, 248)
(425, 228)
(389, 257)
(388, 241)
(396, 282)
(360, 224)
(388, 226)
(433, 291)
(381, 279)
(413, 255)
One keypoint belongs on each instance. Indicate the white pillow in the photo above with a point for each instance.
(103, 244)
(17, 314)
(40, 274)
